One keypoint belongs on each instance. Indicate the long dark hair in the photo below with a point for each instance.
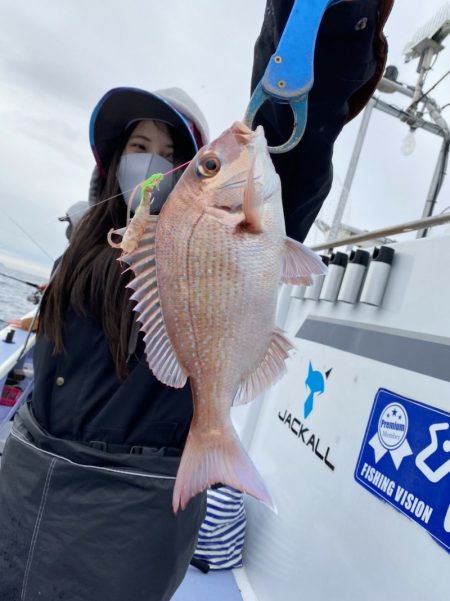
(88, 279)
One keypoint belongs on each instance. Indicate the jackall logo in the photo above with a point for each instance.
(315, 382)
(308, 438)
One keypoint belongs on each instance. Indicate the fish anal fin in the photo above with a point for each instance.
(300, 263)
(270, 369)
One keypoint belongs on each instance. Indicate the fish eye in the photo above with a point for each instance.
(209, 165)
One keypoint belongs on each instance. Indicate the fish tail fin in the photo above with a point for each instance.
(211, 458)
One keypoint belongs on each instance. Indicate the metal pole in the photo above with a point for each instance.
(334, 229)
(410, 226)
(412, 120)
(435, 185)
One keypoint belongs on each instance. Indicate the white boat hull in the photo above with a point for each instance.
(334, 538)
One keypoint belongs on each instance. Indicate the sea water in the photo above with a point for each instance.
(13, 295)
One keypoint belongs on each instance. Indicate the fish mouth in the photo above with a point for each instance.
(256, 144)
(244, 135)
(239, 127)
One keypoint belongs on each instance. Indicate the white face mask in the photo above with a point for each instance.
(137, 167)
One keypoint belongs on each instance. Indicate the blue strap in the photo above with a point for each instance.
(290, 72)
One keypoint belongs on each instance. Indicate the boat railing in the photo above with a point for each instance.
(402, 228)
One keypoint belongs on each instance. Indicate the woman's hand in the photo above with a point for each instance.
(24, 323)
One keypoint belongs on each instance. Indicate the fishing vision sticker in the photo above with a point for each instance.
(405, 460)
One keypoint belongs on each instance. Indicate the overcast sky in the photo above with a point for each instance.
(58, 57)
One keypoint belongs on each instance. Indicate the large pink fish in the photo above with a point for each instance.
(207, 272)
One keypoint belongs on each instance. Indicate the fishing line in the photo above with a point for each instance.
(416, 102)
(152, 181)
(28, 235)
(176, 168)
(149, 181)
(436, 84)
(148, 184)
(132, 190)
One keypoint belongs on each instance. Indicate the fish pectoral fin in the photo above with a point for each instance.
(252, 205)
(300, 263)
(161, 357)
(271, 368)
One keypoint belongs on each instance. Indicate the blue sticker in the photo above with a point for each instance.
(315, 382)
(405, 460)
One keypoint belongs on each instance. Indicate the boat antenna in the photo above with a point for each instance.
(425, 45)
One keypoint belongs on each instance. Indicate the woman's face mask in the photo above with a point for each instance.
(149, 150)
(137, 167)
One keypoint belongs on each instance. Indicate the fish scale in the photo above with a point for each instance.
(217, 270)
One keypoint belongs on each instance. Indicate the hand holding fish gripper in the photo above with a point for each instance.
(289, 78)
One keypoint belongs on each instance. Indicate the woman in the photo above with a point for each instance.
(87, 474)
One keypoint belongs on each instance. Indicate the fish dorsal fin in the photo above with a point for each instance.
(161, 357)
(299, 263)
(271, 369)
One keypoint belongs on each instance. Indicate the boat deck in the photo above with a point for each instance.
(219, 585)
(9, 356)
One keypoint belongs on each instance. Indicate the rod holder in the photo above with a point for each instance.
(9, 338)
(377, 276)
(336, 267)
(354, 276)
(298, 292)
(312, 292)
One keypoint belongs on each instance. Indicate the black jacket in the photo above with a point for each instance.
(349, 60)
(77, 395)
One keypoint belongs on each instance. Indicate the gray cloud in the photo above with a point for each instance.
(58, 58)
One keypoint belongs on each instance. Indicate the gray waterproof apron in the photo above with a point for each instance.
(78, 523)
